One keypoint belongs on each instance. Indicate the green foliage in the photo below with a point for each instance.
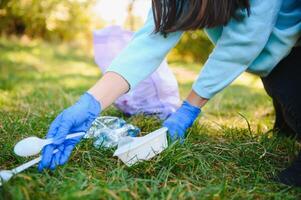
(194, 46)
(49, 19)
(72, 20)
(221, 159)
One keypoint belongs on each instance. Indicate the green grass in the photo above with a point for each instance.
(221, 159)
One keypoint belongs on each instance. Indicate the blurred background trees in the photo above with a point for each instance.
(193, 47)
(48, 19)
(74, 21)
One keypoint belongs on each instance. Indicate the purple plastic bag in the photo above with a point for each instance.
(157, 95)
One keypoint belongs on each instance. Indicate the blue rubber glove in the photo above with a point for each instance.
(181, 120)
(77, 118)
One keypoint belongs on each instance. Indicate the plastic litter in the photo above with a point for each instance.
(132, 150)
(33, 145)
(6, 175)
(107, 131)
(157, 95)
(110, 132)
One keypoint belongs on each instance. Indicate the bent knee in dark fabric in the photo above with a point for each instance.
(284, 87)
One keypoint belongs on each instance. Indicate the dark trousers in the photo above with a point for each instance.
(283, 85)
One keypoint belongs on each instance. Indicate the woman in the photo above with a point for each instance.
(249, 35)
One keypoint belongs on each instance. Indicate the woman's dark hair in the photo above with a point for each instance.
(175, 15)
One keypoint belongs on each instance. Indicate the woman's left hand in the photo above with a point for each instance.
(181, 120)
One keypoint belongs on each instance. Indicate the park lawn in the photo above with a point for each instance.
(230, 154)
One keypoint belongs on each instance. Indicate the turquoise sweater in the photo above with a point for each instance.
(256, 44)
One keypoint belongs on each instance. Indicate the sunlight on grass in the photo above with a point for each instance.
(188, 73)
(249, 80)
(183, 75)
(244, 96)
(5, 99)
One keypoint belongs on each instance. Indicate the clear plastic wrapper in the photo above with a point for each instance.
(107, 131)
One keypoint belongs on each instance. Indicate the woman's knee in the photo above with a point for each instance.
(292, 115)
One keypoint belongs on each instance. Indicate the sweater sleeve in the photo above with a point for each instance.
(144, 53)
(285, 36)
(238, 46)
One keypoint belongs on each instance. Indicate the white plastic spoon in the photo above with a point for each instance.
(33, 145)
(5, 175)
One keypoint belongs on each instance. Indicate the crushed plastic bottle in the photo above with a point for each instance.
(107, 131)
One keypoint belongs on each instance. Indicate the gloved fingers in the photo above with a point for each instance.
(40, 167)
(62, 156)
(73, 141)
(89, 123)
(172, 130)
(82, 126)
(181, 139)
(66, 154)
(181, 134)
(54, 161)
(47, 154)
(56, 157)
(63, 130)
(173, 133)
(54, 126)
(176, 133)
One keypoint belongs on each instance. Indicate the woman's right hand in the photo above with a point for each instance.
(77, 118)
(181, 120)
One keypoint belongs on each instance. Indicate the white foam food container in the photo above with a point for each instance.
(134, 149)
